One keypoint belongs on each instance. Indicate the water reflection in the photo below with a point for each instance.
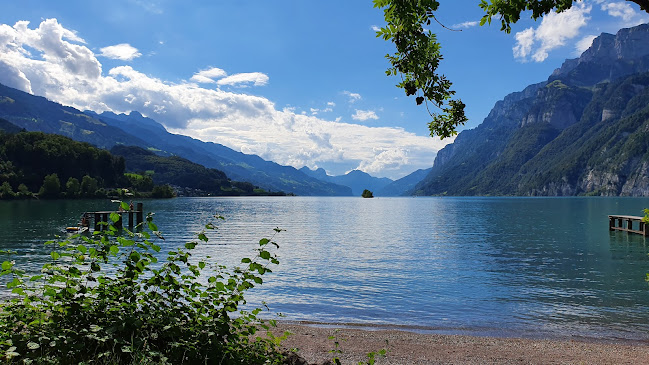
(523, 266)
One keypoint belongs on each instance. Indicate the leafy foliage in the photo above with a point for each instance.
(107, 299)
(417, 59)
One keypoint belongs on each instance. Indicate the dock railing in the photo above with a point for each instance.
(103, 216)
(617, 223)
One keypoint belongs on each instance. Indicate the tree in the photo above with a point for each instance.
(418, 53)
(6, 192)
(89, 186)
(72, 188)
(51, 187)
(23, 192)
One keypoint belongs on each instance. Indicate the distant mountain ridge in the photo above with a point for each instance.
(584, 131)
(35, 113)
(356, 180)
(238, 166)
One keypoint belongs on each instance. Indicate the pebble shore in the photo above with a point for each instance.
(403, 347)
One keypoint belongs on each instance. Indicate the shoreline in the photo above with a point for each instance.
(313, 342)
(468, 331)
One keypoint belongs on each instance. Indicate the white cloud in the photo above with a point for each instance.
(331, 103)
(375, 28)
(584, 44)
(465, 24)
(621, 10)
(122, 51)
(353, 97)
(364, 115)
(553, 32)
(524, 41)
(43, 61)
(385, 160)
(208, 76)
(243, 79)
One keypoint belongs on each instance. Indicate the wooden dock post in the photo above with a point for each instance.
(97, 220)
(130, 220)
(118, 224)
(140, 215)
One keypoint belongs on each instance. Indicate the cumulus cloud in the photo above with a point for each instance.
(553, 32)
(466, 24)
(364, 115)
(46, 62)
(524, 42)
(375, 28)
(245, 79)
(353, 97)
(122, 51)
(208, 76)
(385, 160)
(623, 10)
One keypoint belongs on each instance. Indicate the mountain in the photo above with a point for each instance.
(188, 177)
(402, 186)
(238, 166)
(9, 127)
(584, 131)
(356, 180)
(35, 113)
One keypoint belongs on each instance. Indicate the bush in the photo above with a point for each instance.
(105, 298)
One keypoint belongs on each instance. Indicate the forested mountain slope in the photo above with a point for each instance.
(35, 113)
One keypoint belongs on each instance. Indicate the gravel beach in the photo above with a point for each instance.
(404, 347)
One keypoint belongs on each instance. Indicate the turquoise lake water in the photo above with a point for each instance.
(534, 267)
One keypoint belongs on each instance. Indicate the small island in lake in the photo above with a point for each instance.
(367, 194)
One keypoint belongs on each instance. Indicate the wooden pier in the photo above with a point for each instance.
(626, 223)
(134, 216)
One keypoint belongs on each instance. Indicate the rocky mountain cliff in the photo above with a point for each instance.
(584, 131)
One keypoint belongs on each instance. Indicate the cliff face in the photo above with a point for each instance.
(585, 131)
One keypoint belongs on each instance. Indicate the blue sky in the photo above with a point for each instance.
(297, 82)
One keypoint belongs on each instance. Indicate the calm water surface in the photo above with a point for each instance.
(497, 266)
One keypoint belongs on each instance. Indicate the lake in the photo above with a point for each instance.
(532, 267)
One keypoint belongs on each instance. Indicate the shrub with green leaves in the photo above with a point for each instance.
(105, 298)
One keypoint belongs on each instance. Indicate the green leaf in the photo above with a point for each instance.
(114, 250)
(32, 345)
(115, 217)
(264, 255)
(55, 255)
(6, 265)
(263, 241)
